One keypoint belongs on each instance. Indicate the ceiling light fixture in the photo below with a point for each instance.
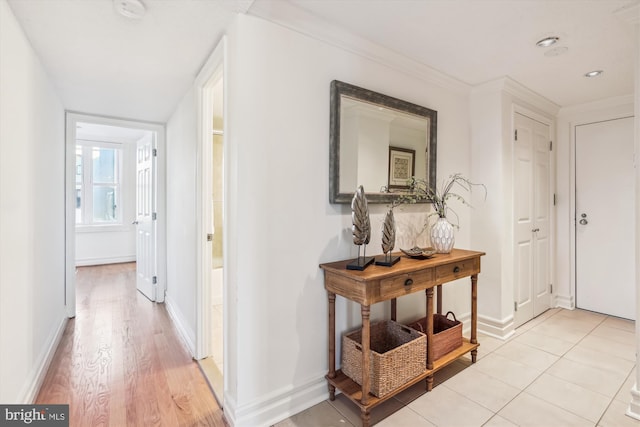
(132, 9)
(547, 41)
(594, 73)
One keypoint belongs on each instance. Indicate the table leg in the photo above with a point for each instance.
(366, 343)
(474, 315)
(439, 300)
(394, 308)
(429, 293)
(365, 416)
(332, 343)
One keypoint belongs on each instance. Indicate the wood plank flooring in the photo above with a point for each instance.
(121, 363)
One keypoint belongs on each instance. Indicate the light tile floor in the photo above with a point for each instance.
(563, 368)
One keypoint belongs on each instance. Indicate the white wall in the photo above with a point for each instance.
(492, 108)
(32, 218)
(97, 245)
(280, 223)
(181, 217)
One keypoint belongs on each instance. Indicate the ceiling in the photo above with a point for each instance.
(103, 63)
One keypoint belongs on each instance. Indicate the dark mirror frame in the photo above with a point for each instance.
(338, 89)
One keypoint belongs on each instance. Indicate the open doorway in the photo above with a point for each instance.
(112, 188)
(212, 196)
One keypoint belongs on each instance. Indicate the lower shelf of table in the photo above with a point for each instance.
(353, 390)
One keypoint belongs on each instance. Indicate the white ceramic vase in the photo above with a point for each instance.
(442, 238)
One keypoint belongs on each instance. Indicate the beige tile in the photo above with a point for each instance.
(489, 392)
(351, 412)
(617, 322)
(527, 355)
(412, 393)
(610, 347)
(488, 344)
(599, 359)
(546, 343)
(445, 407)
(590, 377)
(537, 320)
(498, 421)
(615, 416)
(583, 315)
(320, 415)
(451, 371)
(508, 371)
(529, 411)
(405, 417)
(576, 324)
(574, 398)
(615, 334)
(624, 394)
(563, 333)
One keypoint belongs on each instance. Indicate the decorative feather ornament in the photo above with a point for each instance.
(388, 232)
(360, 218)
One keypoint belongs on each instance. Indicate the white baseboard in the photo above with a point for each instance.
(633, 410)
(36, 378)
(501, 329)
(565, 301)
(102, 261)
(278, 405)
(186, 333)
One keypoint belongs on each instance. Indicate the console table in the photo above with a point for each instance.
(376, 284)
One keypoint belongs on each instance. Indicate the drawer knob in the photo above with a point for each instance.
(408, 282)
(456, 269)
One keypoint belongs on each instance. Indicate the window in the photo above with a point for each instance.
(98, 183)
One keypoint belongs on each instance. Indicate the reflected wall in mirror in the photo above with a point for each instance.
(377, 141)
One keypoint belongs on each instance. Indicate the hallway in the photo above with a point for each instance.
(121, 362)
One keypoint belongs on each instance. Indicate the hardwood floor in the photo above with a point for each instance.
(121, 363)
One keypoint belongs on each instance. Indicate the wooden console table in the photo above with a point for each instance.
(376, 284)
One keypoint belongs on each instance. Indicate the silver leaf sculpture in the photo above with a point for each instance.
(388, 232)
(360, 218)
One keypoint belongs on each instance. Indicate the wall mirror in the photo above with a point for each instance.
(379, 142)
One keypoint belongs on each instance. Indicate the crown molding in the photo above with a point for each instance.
(286, 14)
(518, 91)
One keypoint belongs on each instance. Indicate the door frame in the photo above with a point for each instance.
(616, 110)
(71, 119)
(211, 72)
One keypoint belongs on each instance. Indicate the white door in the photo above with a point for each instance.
(605, 217)
(532, 203)
(145, 218)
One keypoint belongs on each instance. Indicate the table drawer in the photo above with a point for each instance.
(407, 283)
(456, 270)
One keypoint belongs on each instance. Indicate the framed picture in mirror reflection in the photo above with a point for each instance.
(402, 163)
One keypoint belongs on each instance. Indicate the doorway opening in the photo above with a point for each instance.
(212, 196)
(112, 203)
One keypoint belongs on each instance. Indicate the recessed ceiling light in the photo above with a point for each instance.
(547, 41)
(594, 73)
(133, 9)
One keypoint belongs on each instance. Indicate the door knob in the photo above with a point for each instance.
(584, 221)
(535, 230)
(135, 222)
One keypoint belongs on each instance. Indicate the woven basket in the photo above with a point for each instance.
(447, 334)
(397, 355)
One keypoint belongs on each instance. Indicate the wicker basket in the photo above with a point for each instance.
(447, 334)
(397, 354)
